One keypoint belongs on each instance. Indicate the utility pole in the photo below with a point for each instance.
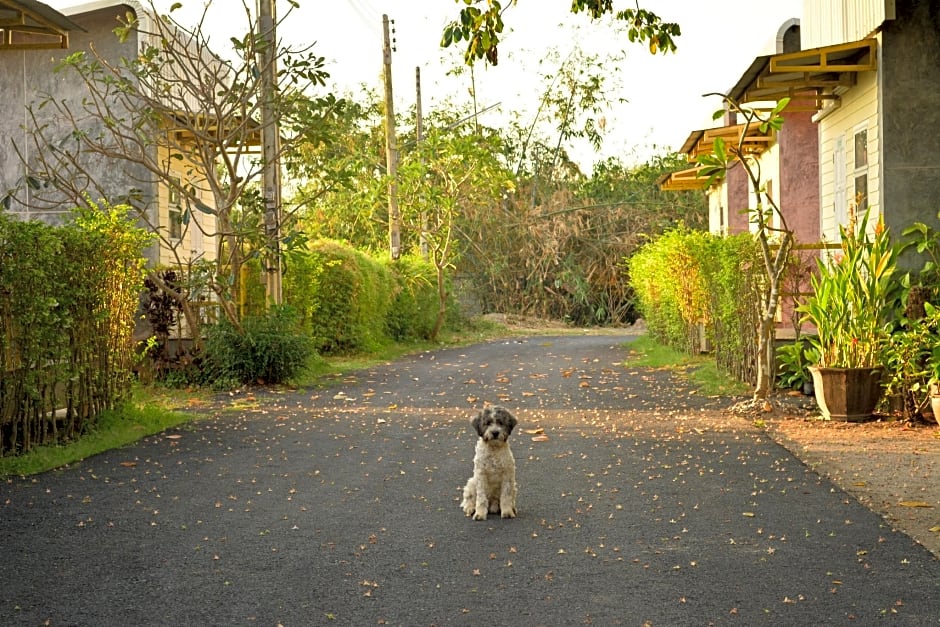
(391, 149)
(419, 132)
(270, 147)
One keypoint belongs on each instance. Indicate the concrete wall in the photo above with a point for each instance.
(27, 78)
(910, 64)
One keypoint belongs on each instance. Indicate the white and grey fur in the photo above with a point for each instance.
(492, 488)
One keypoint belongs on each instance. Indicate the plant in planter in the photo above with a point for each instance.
(851, 307)
(793, 362)
(911, 358)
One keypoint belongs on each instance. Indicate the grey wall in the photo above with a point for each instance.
(910, 60)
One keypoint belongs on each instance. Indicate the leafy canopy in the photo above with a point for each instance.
(481, 27)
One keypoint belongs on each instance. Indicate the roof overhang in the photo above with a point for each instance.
(186, 126)
(749, 137)
(683, 180)
(32, 25)
(808, 77)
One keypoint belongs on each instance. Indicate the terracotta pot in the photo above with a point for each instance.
(847, 394)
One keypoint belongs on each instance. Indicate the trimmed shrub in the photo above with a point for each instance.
(352, 298)
(672, 296)
(68, 296)
(415, 304)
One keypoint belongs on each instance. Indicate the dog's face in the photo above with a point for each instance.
(494, 424)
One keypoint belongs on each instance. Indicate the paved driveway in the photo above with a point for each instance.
(640, 503)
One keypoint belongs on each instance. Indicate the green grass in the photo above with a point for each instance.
(146, 415)
(645, 352)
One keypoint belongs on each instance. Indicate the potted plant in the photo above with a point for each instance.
(793, 362)
(911, 357)
(851, 308)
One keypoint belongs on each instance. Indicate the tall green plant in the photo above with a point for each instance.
(853, 298)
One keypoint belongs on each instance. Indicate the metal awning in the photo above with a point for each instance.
(32, 25)
(807, 77)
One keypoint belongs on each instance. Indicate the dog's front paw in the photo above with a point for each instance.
(509, 512)
(479, 514)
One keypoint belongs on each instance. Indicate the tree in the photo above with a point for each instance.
(450, 175)
(775, 240)
(173, 115)
(481, 27)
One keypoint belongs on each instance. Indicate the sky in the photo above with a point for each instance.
(658, 99)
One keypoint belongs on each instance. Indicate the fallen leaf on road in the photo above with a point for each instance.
(535, 431)
(540, 438)
(914, 504)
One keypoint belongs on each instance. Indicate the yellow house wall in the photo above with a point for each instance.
(718, 209)
(859, 109)
(194, 243)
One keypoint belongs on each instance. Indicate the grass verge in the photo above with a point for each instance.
(146, 415)
(645, 352)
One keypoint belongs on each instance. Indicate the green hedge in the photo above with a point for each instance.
(415, 304)
(687, 281)
(349, 301)
(68, 297)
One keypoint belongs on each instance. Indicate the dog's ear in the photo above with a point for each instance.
(477, 423)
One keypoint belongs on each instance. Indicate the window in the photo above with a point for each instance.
(861, 149)
(174, 211)
(861, 193)
(176, 223)
(861, 170)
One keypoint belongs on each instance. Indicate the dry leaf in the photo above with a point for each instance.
(914, 504)
(535, 431)
(173, 437)
(128, 464)
(540, 438)
(934, 529)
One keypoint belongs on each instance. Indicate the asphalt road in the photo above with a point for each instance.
(640, 503)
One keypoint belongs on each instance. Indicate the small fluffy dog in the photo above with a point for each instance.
(492, 488)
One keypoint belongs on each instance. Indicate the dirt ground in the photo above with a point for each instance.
(890, 467)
